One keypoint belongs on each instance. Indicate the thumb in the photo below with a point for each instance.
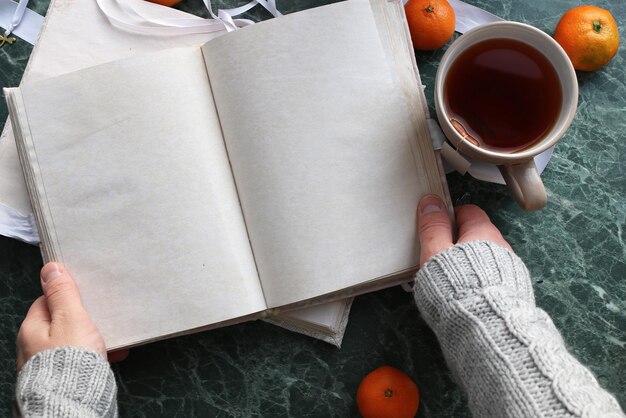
(61, 292)
(434, 228)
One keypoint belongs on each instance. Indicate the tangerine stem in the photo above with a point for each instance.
(388, 393)
(429, 9)
(597, 26)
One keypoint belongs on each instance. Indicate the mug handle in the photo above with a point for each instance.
(525, 185)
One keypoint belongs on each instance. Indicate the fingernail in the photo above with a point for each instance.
(50, 272)
(430, 203)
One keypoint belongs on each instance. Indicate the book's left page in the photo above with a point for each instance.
(127, 167)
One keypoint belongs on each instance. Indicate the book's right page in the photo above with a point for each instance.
(322, 152)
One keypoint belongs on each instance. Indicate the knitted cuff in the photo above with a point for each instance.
(465, 269)
(68, 382)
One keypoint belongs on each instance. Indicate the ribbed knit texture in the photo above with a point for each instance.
(67, 382)
(504, 352)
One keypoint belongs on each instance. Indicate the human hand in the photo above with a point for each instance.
(435, 229)
(58, 319)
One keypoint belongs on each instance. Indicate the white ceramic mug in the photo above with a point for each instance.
(518, 167)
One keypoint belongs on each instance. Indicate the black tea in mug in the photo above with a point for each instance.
(502, 95)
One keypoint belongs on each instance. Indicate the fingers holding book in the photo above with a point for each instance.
(435, 227)
(59, 319)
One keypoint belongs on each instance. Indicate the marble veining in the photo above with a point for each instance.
(575, 248)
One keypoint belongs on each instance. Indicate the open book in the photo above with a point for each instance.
(272, 168)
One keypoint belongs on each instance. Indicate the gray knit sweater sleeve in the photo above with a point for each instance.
(66, 382)
(504, 352)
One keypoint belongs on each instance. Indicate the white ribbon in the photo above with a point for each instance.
(19, 20)
(17, 16)
(468, 16)
(143, 17)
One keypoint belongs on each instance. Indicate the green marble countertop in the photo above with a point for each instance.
(575, 248)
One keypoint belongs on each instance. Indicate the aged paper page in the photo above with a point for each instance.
(321, 152)
(139, 196)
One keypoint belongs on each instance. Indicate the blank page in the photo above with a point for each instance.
(139, 197)
(319, 136)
